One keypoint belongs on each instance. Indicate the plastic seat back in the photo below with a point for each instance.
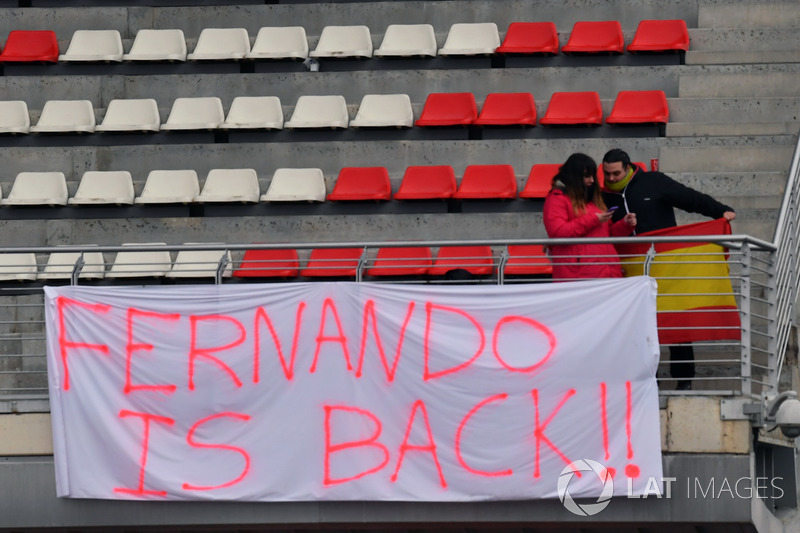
(344, 41)
(477, 260)
(131, 115)
(639, 107)
(530, 38)
(595, 37)
(529, 260)
(471, 38)
(427, 183)
(195, 113)
(230, 185)
(275, 42)
(169, 187)
(282, 263)
(401, 261)
(220, 44)
(296, 185)
(329, 111)
(448, 109)
(362, 183)
(540, 180)
(30, 46)
(104, 187)
(660, 36)
(18, 267)
(573, 109)
(384, 111)
(94, 46)
(61, 265)
(333, 262)
(488, 181)
(141, 264)
(254, 112)
(508, 109)
(201, 263)
(66, 116)
(408, 40)
(38, 188)
(14, 117)
(157, 45)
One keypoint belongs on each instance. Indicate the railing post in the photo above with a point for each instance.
(76, 270)
(746, 318)
(362, 262)
(773, 327)
(223, 262)
(501, 267)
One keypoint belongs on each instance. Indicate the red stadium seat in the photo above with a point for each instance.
(530, 38)
(268, 264)
(660, 36)
(427, 183)
(477, 260)
(411, 261)
(362, 183)
(332, 262)
(540, 180)
(596, 37)
(508, 109)
(639, 107)
(448, 109)
(30, 46)
(527, 259)
(574, 108)
(488, 181)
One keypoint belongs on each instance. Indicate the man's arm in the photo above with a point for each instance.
(693, 201)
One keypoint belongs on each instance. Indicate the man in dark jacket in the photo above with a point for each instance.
(653, 196)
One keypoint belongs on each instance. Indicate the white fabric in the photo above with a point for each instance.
(494, 391)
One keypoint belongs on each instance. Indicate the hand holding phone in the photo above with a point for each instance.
(613, 208)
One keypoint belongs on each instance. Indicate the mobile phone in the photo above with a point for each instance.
(613, 208)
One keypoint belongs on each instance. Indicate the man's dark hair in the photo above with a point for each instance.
(617, 156)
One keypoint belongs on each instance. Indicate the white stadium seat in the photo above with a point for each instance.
(408, 40)
(221, 43)
(469, 39)
(131, 115)
(200, 263)
(157, 45)
(384, 110)
(254, 112)
(344, 42)
(230, 185)
(14, 117)
(280, 42)
(319, 112)
(38, 188)
(195, 113)
(296, 185)
(95, 46)
(137, 264)
(104, 187)
(169, 187)
(66, 116)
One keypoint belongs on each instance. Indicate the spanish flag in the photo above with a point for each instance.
(695, 297)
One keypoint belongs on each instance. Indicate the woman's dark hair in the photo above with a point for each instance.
(570, 179)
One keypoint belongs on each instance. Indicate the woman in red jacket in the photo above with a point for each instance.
(575, 208)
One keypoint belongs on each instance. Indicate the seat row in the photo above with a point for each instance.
(331, 112)
(336, 42)
(276, 263)
(429, 182)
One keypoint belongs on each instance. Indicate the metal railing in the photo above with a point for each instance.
(746, 365)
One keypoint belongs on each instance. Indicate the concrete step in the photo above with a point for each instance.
(734, 110)
(712, 57)
(743, 186)
(694, 129)
(745, 14)
(768, 80)
(763, 156)
(748, 39)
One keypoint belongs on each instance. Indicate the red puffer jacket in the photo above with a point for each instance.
(574, 260)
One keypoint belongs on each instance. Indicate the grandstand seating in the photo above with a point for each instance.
(18, 267)
(469, 39)
(507, 109)
(38, 188)
(311, 112)
(139, 264)
(384, 111)
(26, 46)
(477, 260)
(66, 116)
(332, 262)
(14, 117)
(427, 183)
(527, 260)
(221, 43)
(637, 107)
(530, 38)
(230, 185)
(487, 181)
(200, 263)
(660, 36)
(268, 264)
(131, 115)
(362, 183)
(94, 45)
(273, 42)
(343, 42)
(407, 40)
(61, 265)
(104, 187)
(296, 185)
(169, 187)
(157, 45)
(448, 109)
(254, 112)
(401, 261)
(539, 180)
(197, 113)
(595, 37)
(573, 108)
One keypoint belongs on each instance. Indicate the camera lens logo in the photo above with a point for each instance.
(588, 466)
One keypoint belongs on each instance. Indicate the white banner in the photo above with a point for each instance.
(344, 391)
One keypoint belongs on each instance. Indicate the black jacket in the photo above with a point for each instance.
(653, 197)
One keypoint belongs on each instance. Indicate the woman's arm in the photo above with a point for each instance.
(559, 222)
